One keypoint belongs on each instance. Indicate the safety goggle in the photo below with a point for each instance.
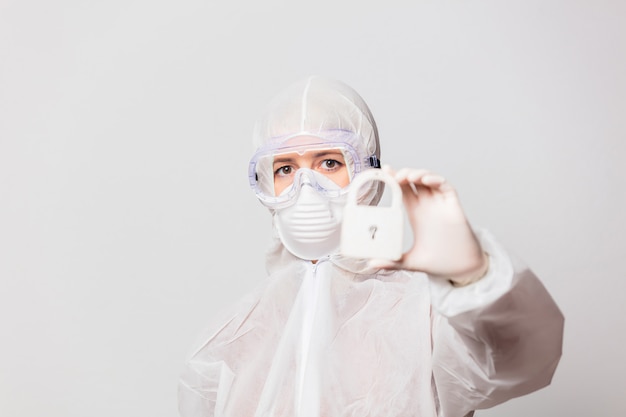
(276, 174)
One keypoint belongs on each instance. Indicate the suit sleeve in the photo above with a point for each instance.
(493, 340)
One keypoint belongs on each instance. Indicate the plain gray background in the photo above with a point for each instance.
(126, 220)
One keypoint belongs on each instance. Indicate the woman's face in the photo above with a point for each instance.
(329, 162)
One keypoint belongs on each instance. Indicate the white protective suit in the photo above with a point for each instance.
(337, 339)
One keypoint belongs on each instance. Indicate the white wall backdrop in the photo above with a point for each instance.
(125, 216)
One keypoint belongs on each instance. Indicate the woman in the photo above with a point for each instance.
(453, 326)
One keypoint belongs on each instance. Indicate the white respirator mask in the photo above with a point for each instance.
(310, 228)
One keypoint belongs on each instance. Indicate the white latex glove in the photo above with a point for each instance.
(444, 244)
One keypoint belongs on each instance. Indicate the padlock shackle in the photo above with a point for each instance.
(372, 175)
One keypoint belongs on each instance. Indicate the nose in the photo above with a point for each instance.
(305, 176)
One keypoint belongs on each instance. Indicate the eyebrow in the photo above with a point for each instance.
(320, 154)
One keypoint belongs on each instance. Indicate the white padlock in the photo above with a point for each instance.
(373, 231)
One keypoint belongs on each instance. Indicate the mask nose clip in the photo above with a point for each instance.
(305, 176)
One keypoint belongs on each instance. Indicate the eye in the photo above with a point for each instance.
(283, 171)
(331, 164)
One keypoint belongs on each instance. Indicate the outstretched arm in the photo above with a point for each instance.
(497, 333)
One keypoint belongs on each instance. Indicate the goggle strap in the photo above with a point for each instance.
(374, 161)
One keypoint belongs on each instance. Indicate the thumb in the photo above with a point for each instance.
(378, 263)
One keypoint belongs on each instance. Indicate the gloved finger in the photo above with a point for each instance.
(433, 180)
(410, 181)
(425, 179)
(408, 175)
(407, 187)
(421, 179)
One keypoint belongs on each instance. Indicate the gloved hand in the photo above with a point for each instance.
(444, 245)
